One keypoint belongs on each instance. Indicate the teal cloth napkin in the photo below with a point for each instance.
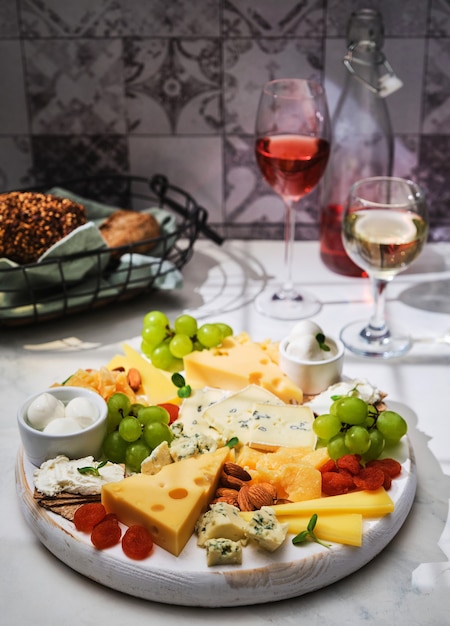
(57, 281)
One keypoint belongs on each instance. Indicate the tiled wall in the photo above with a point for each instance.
(171, 86)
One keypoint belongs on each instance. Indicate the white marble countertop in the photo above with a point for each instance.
(409, 582)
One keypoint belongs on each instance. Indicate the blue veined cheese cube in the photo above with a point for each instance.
(223, 552)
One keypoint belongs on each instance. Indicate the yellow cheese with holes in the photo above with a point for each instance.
(170, 502)
(374, 503)
(235, 365)
(346, 528)
(157, 385)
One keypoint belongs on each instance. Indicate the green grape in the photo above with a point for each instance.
(118, 407)
(185, 325)
(114, 447)
(180, 345)
(327, 426)
(350, 410)
(336, 446)
(146, 349)
(209, 335)
(357, 439)
(134, 409)
(155, 433)
(136, 452)
(130, 429)
(162, 357)
(376, 445)
(155, 413)
(153, 335)
(226, 330)
(392, 426)
(156, 318)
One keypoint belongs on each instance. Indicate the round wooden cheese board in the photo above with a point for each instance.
(186, 580)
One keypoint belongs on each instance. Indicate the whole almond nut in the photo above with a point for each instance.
(259, 496)
(134, 378)
(243, 499)
(226, 492)
(233, 469)
(227, 480)
(227, 500)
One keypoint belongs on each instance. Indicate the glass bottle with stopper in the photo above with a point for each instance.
(362, 144)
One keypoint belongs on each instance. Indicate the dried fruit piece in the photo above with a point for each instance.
(337, 483)
(350, 462)
(389, 466)
(137, 542)
(89, 515)
(106, 534)
(369, 478)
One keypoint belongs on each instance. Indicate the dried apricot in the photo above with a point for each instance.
(389, 466)
(106, 534)
(337, 483)
(137, 542)
(369, 478)
(89, 515)
(350, 462)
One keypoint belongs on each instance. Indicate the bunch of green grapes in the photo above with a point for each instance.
(355, 427)
(134, 430)
(166, 346)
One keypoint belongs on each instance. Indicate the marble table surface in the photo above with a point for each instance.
(409, 581)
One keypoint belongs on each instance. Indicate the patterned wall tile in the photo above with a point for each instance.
(193, 163)
(173, 85)
(173, 18)
(59, 158)
(13, 105)
(437, 88)
(75, 86)
(250, 64)
(400, 18)
(434, 175)
(9, 23)
(53, 18)
(15, 162)
(439, 25)
(265, 18)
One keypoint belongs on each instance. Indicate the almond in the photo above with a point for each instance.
(227, 480)
(226, 492)
(261, 494)
(243, 499)
(233, 469)
(228, 499)
(134, 378)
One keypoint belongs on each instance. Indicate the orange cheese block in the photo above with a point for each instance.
(170, 502)
(235, 365)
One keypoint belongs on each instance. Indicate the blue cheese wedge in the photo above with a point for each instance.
(158, 458)
(288, 425)
(192, 411)
(186, 447)
(223, 552)
(233, 416)
(222, 520)
(265, 530)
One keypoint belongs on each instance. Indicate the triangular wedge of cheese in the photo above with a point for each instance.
(167, 503)
(157, 384)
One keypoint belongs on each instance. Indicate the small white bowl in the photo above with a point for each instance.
(312, 377)
(40, 446)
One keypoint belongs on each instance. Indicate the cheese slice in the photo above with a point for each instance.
(157, 384)
(288, 426)
(170, 502)
(346, 528)
(236, 365)
(376, 503)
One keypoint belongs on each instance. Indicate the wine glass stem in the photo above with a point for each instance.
(289, 238)
(377, 329)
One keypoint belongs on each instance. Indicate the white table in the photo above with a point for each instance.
(409, 582)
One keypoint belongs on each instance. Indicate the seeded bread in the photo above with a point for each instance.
(31, 222)
(130, 227)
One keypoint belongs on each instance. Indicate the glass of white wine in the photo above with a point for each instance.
(385, 226)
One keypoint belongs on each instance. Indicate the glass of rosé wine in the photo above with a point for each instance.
(292, 135)
(385, 226)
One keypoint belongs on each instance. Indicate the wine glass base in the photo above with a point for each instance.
(292, 305)
(352, 336)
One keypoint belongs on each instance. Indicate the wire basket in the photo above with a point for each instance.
(114, 275)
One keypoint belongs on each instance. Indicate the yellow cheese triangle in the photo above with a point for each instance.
(168, 503)
(346, 528)
(374, 503)
(157, 384)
